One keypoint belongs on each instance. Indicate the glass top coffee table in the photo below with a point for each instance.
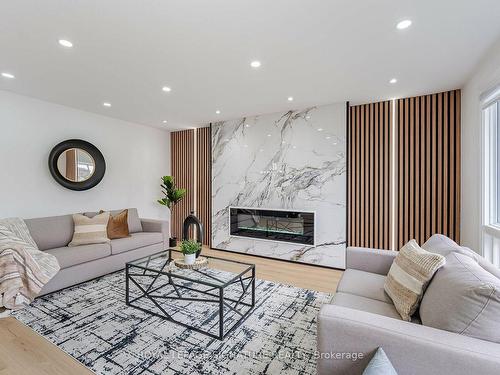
(213, 300)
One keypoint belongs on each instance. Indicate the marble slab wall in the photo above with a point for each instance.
(294, 160)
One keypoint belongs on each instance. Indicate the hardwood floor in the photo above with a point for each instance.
(23, 351)
(300, 275)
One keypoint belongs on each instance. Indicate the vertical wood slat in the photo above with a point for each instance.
(439, 162)
(376, 168)
(203, 180)
(369, 180)
(429, 167)
(352, 186)
(358, 179)
(387, 156)
(417, 169)
(400, 184)
(372, 203)
(433, 171)
(182, 159)
(428, 158)
(411, 161)
(363, 190)
(458, 157)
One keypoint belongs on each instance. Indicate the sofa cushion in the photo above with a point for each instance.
(443, 245)
(440, 244)
(488, 266)
(71, 256)
(134, 222)
(135, 241)
(51, 232)
(365, 304)
(409, 276)
(463, 298)
(364, 284)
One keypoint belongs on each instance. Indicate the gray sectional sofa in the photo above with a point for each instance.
(362, 318)
(82, 263)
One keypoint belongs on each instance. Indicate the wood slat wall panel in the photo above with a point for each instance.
(203, 180)
(369, 130)
(182, 167)
(429, 167)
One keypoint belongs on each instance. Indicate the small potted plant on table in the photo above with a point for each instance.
(189, 248)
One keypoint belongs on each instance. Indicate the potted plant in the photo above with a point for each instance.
(173, 195)
(189, 248)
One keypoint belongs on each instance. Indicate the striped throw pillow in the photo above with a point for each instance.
(408, 277)
(90, 230)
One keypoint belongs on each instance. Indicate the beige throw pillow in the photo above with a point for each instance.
(408, 277)
(90, 230)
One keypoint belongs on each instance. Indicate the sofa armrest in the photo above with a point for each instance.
(412, 348)
(153, 225)
(370, 260)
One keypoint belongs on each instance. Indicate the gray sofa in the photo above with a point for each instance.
(82, 263)
(362, 318)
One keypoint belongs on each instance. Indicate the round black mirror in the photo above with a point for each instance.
(76, 164)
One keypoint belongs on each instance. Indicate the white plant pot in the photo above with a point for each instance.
(189, 258)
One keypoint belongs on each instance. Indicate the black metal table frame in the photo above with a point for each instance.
(148, 292)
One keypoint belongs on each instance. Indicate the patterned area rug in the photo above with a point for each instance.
(92, 323)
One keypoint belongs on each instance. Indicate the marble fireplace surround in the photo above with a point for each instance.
(295, 160)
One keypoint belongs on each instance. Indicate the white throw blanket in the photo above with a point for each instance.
(24, 269)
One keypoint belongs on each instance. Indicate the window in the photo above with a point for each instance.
(492, 163)
(491, 180)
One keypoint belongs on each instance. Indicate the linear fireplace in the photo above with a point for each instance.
(275, 225)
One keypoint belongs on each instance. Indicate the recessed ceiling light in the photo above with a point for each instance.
(290, 98)
(393, 80)
(164, 121)
(65, 43)
(261, 150)
(247, 125)
(294, 146)
(166, 89)
(403, 24)
(8, 75)
(106, 104)
(327, 137)
(217, 112)
(255, 64)
(320, 129)
(269, 135)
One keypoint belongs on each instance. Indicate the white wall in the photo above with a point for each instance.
(136, 157)
(486, 76)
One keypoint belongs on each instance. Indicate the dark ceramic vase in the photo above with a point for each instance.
(198, 229)
(172, 242)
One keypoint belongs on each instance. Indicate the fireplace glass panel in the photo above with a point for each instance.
(276, 225)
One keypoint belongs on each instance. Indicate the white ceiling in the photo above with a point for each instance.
(318, 51)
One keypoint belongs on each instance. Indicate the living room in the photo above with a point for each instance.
(236, 187)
